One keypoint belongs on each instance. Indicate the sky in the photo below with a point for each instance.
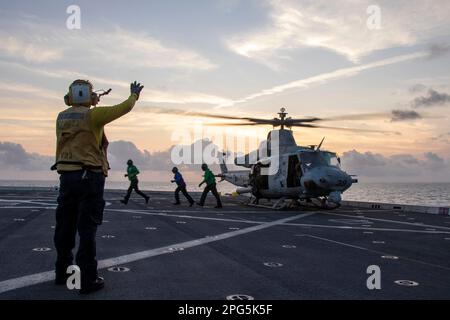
(235, 57)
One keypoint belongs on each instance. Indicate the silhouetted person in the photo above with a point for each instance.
(132, 173)
(256, 183)
(210, 181)
(181, 186)
(82, 164)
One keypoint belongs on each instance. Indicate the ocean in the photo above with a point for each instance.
(432, 194)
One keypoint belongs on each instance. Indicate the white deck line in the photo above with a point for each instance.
(37, 278)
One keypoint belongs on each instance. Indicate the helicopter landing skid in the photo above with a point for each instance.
(324, 203)
(280, 204)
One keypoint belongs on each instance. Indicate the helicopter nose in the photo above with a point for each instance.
(334, 179)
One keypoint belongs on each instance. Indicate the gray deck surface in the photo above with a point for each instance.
(177, 252)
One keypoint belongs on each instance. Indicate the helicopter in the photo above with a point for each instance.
(282, 170)
(302, 173)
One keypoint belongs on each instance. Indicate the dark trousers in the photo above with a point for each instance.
(80, 208)
(134, 186)
(213, 190)
(183, 190)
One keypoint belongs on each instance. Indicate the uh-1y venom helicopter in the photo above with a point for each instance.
(301, 173)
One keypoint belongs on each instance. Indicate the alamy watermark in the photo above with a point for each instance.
(374, 20)
(374, 280)
(74, 280)
(206, 145)
(73, 21)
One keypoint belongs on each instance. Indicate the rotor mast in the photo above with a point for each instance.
(282, 117)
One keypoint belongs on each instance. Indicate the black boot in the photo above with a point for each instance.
(61, 278)
(124, 202)
(97, 285)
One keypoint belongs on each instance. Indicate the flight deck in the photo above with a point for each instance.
(161, 251)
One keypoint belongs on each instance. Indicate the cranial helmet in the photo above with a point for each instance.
(80, 93)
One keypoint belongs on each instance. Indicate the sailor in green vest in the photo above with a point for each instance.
(210, 181)
(81, 161)
(132, 173)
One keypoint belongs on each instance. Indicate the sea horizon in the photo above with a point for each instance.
(413, 193)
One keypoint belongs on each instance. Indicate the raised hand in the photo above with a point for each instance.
(136, 88)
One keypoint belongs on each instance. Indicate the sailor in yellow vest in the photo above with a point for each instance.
(81, 161)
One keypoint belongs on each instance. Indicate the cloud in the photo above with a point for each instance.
(438, 50)
(417, 88)
(37, 41)
(444, 138)
(328, 76)
(226, 5)
(341, 26)
(396, 168)
(142, 51)
(13, 156)
(63, 74)
(182, 97)
(149, 94)
(37, 51)
(22, 88)
(368, 166)
(402, 115)
(433, 98)
(120, 151)
(434, 159)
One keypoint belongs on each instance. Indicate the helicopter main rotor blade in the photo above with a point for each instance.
(202, 114)
(230, 124)
(288, 122)
(362, 116)
(343, 129)
(369, 116)
(303, 125)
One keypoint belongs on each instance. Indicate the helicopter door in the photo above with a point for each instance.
(294, 172)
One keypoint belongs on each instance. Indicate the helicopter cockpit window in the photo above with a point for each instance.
(331, 159)
(311, 160)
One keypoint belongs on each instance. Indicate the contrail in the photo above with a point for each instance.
(325, 77)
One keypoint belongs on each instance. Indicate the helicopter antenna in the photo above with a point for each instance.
(320, 144)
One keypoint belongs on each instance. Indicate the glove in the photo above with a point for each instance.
(136, 88)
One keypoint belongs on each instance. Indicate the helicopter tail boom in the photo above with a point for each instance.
(239, 178)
